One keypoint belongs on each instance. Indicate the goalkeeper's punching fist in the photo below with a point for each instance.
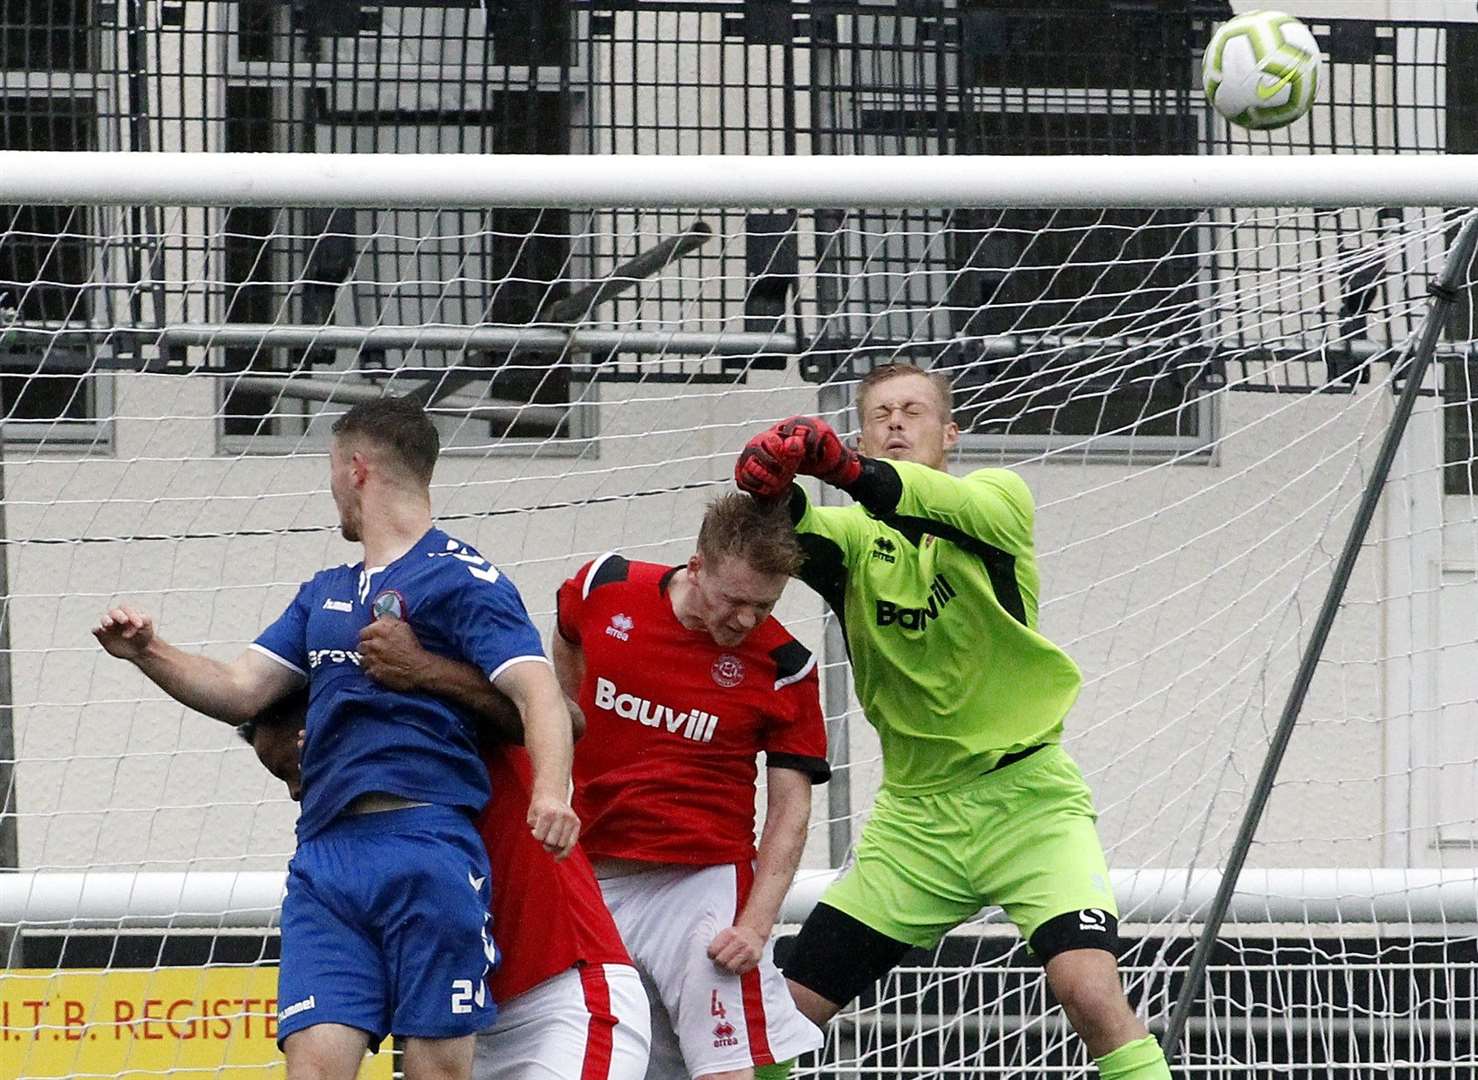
(802, 444)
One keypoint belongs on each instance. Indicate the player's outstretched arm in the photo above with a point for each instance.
(546, 725)
(738, 948)
(808, 446)
(990, 505)
(233, 692)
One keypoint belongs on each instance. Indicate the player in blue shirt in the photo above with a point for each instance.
(384, 926)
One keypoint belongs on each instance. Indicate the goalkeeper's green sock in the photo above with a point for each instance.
(778, 1071)
(1139, 1060)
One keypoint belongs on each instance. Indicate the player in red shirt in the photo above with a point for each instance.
(571, 1007)
(684, 678)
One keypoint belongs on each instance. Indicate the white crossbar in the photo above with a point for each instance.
(478, 181)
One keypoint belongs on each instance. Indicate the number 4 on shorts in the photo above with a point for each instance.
(716, 1007)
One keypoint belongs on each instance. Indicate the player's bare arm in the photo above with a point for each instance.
(905, 441)
(533, 688)
(393, 656)
(569, 666)
(738, 948)
(232, 692)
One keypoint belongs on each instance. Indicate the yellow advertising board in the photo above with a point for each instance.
(180, 1023)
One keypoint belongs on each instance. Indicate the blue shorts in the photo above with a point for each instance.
(385, 928)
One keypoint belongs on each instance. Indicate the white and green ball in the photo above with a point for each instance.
(1261, 69)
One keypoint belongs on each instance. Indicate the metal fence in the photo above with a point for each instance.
(603, 76)
(753, 77)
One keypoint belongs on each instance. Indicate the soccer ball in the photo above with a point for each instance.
(1261, 69)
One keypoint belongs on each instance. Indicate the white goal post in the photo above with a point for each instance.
(1191, 360)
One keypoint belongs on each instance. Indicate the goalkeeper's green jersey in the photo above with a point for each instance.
(937, 593)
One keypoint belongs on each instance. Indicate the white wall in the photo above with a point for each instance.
(1168, 583)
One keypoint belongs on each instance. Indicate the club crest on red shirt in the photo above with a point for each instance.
(728, 670)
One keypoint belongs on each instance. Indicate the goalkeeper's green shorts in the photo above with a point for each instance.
(1021, 837)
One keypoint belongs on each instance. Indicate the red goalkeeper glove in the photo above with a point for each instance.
(768, 463)
(801, 444)
(823, 454)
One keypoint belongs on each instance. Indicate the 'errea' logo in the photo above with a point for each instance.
(883, 548)
(916, 618)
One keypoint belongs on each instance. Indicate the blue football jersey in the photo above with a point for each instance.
(362, 736)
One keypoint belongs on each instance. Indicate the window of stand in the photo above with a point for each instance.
(418, 79)
(1057, 281)
(48, 265)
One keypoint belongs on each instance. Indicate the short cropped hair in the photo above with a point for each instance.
(290, 711)
(398, 425)
(883, 372)
(739, 525)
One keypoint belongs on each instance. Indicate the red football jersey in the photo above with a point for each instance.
(666, 770)
(547, 916)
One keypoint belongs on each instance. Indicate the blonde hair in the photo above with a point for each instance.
(758, 532)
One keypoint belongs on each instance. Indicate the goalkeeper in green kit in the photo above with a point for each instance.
(934, 579)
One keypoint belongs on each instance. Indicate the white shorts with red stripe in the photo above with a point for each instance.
(587, 1023)
(722, 1022)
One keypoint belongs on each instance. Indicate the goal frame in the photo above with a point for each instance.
(378, 181)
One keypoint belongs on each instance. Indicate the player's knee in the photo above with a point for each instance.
(736, 1074)
(308, 1068)
(438, 1070)
(322, 1067)
(835, 958)
(1086, 984)
(324, 1052)
(813, 1006)
(1092, 1002)
(438, 1059)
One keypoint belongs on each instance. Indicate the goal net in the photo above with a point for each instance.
(1195, 394)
